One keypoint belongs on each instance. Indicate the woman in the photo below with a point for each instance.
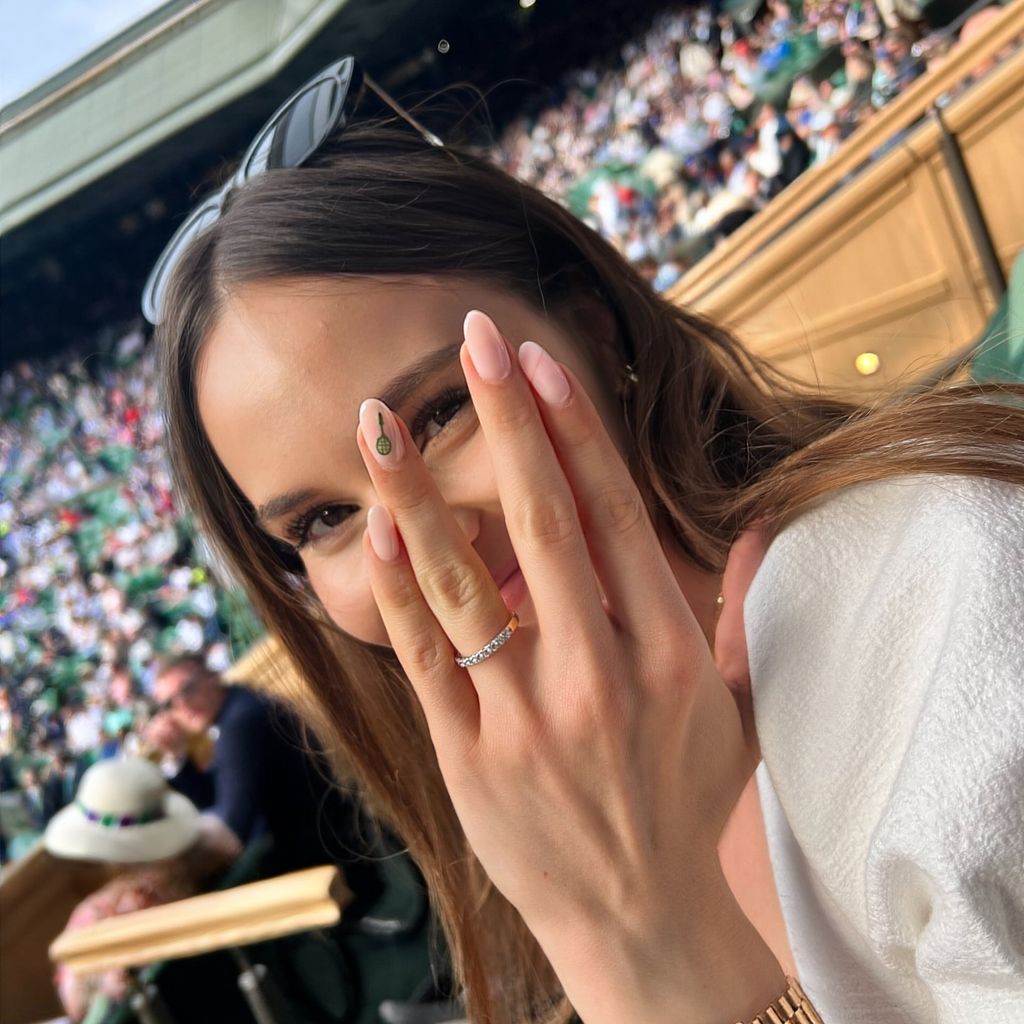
(157, 847)
(601, 465)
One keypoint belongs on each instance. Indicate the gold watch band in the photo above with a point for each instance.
(792, 1006)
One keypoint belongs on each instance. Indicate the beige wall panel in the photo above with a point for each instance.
(881, 269)
(887, 264)
(988, 123)
(907, 348)
(941, 227)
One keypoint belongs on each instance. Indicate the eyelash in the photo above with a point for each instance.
(439, 403)
(297, 529)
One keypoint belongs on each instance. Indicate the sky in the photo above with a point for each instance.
(39, 37)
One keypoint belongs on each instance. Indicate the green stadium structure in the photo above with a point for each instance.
(99, 163)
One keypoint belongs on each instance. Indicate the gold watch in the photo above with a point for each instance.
(792, 1006)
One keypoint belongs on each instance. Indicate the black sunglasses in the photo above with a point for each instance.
(310, 116)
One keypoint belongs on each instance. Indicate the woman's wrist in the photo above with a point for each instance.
(711, 967)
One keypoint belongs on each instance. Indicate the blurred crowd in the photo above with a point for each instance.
(710, 116)
(704, 120)
(99, 574)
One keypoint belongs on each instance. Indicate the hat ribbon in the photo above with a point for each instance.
(119, 820)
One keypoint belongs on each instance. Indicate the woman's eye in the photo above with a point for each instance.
(439, 419)
(325, 520)
(438, 413)
(317, 524)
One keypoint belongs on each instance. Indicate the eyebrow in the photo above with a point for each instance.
(282, 504)
(394, 395)
(401, 387)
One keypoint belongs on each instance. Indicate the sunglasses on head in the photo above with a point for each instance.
(299, 127)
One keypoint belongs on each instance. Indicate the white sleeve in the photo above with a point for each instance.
(886, 635)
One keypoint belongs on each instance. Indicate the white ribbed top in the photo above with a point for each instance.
(886, 638)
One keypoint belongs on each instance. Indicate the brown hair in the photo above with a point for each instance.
(716, 438)
(194, 664)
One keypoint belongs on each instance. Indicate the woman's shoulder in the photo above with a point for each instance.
(865, 596)
(884, 636)
(900, 543)
(874, 563)
(961, 510)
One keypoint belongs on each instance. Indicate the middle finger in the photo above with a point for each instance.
(540, 510)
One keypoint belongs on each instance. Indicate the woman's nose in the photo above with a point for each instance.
(468, 520)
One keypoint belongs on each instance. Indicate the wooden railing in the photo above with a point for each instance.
(886, 265)
(242, 916)
(816, 184)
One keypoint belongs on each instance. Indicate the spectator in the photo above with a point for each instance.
(84, 727)
(7, 725)
(154, 841)
(32, 802)
(794, 156)
(731, 222)
(246, 761)
(828, 144)
(907, 64)
(60, 785)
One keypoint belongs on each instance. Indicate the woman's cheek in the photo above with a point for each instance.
(342, 586)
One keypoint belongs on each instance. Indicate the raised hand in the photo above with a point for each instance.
(594, 757)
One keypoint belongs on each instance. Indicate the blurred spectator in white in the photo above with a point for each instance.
(84, 728)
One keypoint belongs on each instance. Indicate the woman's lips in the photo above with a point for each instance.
(513, 590)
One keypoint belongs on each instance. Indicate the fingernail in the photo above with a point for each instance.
(380, 432)
(383, 535)
(487, 348)
(544, 374)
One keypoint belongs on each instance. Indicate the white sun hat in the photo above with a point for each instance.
(123, 813)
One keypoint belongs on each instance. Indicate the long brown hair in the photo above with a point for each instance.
(716, 438)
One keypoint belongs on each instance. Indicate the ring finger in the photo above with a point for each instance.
(456, 584)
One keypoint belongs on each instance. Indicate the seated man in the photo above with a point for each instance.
(248, 761)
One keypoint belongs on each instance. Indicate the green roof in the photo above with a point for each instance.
(169, 70)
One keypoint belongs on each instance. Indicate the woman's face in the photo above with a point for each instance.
(280, 381)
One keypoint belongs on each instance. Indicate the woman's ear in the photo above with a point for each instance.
(595, 321)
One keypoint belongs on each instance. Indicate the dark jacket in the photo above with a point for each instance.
(269, 777)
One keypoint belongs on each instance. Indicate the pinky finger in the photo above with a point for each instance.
(445, 691)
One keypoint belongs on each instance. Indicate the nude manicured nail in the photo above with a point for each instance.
(544, 374)
(487, 348)
(383, 535)
(380, 432)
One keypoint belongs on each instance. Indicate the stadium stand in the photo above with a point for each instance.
(666, 145)
(660, 151)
